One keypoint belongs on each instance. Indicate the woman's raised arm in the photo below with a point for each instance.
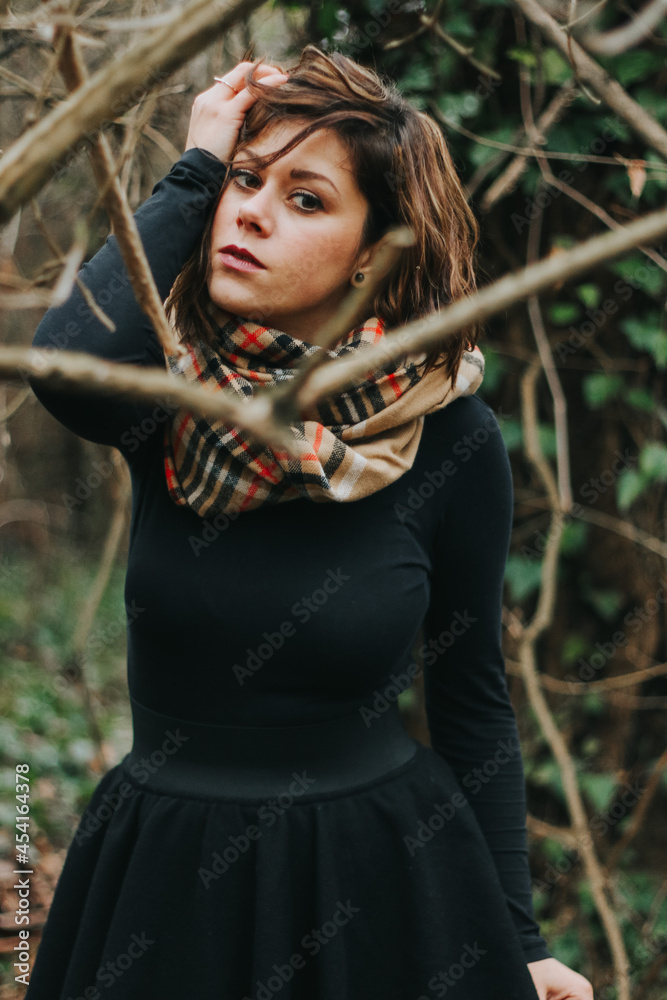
(170, 223)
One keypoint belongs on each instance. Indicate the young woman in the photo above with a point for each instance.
(274, 830)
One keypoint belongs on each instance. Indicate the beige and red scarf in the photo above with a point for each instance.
(355, 443)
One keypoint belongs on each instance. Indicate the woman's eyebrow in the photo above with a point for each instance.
(310, 175)
(300, 173)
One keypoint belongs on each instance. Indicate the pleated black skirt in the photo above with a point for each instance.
(335, 861)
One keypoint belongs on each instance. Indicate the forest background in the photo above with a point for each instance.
(552, 153)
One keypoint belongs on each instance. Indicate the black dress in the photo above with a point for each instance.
(404, 873)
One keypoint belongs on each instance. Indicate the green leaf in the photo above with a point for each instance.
(328, 20)
(606, 601)
(646, 335)
(653, 461)
(480, 154)
(459, 23)
(589, 294)
(629, 485)
(574, 647)
(655, 103)
(495, 370)
(601, 387)
(556, 69)
(455, 106)
(563, 312)
(547, 439)
(511, 432)
(573, 539)
(640, 398)
(628, 67)
(598, 788)
(526, 56)
(523, 576)
(417, 77)
(641, 273)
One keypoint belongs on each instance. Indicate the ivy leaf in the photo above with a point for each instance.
(555, 68)
(599, 788)
(511, 432)
(601, 387)
(646, 335)
(526, 56)
(589, 294)
(653, 461)
(629, 67)
(629, 485)
(417, 77)
(563, 312)
(640, 398)
(523, 576)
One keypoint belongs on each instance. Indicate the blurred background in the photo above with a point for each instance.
(497, 85)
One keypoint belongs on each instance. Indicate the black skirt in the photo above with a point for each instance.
(335, 861)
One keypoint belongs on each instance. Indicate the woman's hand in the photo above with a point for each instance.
(217, 114)
(555, 981)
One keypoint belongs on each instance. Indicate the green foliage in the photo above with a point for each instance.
(606, 602)
(646, 333)
(495, 370)
(629, 67)
(523, 576)
(598, 788)
(48, 728)
(590, 294)
(641, 273)
(652, 469)
(573, 539)
(562, 313)
(458, 106)
(601, 388)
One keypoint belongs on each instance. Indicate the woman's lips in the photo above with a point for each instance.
(239, 263)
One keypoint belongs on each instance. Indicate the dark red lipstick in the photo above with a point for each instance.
(240, 259)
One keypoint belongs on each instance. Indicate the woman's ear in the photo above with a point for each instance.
(364, 264)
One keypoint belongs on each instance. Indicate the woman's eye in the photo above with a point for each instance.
(241, 173)
(315, 202)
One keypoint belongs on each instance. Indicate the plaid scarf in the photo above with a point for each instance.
(354, 443)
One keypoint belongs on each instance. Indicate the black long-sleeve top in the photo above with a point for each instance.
(298, 612)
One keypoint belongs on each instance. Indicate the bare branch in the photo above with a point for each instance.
(260, 415)
(590, 72)
(611, 43)
(508, 179)
(527, 636)
(73, 70)
(514, 287)
(31, 160)
(616, 160)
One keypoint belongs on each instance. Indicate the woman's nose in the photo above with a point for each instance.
(254, 211)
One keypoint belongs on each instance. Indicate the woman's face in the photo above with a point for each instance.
(304, 230)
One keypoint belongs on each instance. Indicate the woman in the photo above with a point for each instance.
(274, 830)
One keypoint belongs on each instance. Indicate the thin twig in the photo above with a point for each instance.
(590, 72)
(30, 161)
(73, 70)
(527, 636)
(259, 415)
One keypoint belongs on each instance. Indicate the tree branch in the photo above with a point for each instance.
(30, 161)
(590, 72)
(264, 414)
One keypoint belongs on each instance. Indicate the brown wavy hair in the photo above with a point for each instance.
(402, 167)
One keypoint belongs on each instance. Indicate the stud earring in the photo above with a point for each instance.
(359, 277)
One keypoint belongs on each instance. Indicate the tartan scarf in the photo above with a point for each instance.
(354, 443)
